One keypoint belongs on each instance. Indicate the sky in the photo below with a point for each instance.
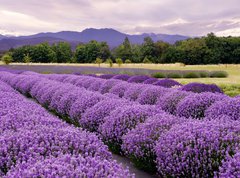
(184, 17)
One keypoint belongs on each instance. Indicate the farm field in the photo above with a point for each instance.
(230, 85)
(166, 129)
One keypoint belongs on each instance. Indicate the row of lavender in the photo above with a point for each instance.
(116, 126)
(33, 143)
(168, 83)
(172, 100)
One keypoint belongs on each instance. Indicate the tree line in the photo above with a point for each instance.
(205, 50)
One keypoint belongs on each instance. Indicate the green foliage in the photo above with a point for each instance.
(98, 61)
(119, 62)
(159, 75)
(128, 61)
(203, 74)
(124, 51)
(146, 61)
(6, 59)
(205, 50)
(110, 62)
(27, 58)
(231, 90)
(191, 75)
(63, 52)
(174, 75)
(219, 74)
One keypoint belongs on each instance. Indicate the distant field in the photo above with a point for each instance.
(232, 70)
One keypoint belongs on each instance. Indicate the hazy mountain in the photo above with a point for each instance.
(111, 36)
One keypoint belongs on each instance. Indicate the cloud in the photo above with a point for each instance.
(187, 17)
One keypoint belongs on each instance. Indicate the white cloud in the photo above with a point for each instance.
(187, 17)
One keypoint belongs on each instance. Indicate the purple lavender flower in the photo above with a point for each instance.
(167, 83)
(151, 95)
(171, 99)
(196, 148)
(138, 144)
(150, 81)
(94, 116)
(107, 85)
(230, 167)
(119, 89)
(201, 87)
(138, 79)
(96, 85)
(71, 167)
(195, 105)
(122, 120)
(134, 90)
(85, 101)
(107, 76)
(123, 77)
(229, 107)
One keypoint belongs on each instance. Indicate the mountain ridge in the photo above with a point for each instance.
(109, 35)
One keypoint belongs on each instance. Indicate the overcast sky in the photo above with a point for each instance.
(185, 17)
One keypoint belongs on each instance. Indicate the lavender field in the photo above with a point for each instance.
(63, 125)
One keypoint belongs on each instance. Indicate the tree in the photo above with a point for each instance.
(119, 62)
(63, 52)
(7, 59)
(128, 61)
(124, 51)
(104, 51)
(98, 61)
(110, 62)
(27, 58)
(146, 61)
(148, 49)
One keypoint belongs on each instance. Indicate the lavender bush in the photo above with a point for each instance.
(167, 83)
(138, 144)
(196, 148)
(195, 105)
(229, 107)
(122, 120)
(138, 79)
(201, 87)
(71, 167)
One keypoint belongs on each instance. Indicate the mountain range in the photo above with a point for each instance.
(111, 36)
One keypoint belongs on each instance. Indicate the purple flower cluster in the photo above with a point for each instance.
(151, 94)
(171, 99)
(196, 148)
(94, 116)
(167, 83)
(201, 87)
(107, 85)
(231, 167)
(119, 89)
(129, 117)
(122, 120)
(123, 77)
(195, 105)
(138, 144)
(150, 81)
(71, 167)
(229, 107)
(34, 140)
(138, 79)
(107, 76)
(133, 91)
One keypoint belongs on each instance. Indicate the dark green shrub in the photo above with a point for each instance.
(191, 75)
(159, 75)
(219, 74)
(174, 75)
(203, 74)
